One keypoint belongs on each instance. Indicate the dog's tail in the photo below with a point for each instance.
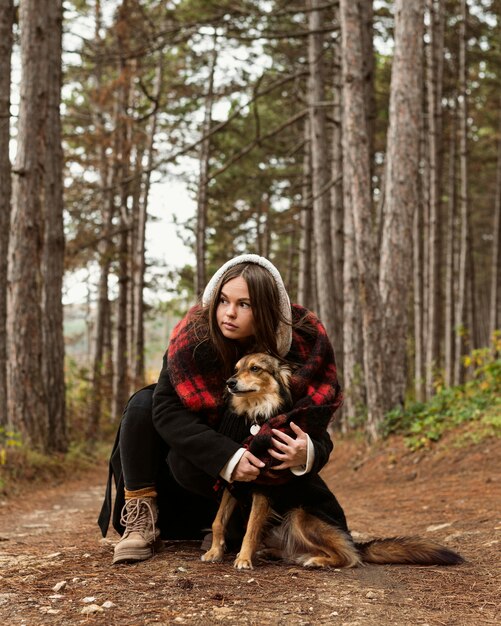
(407, 550)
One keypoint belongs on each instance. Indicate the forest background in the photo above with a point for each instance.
(357, 144)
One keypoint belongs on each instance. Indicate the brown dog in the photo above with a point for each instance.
(259, 390)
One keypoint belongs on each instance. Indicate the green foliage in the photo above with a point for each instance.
(78, 392)
(21, 465)
(477, 401)
(359, 418)
(9, 440)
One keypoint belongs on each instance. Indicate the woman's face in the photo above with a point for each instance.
(234, 312)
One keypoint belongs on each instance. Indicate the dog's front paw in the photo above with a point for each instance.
(214, 555)
(242, 563)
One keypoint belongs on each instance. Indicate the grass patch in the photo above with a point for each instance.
(20, 465)
(476, 403)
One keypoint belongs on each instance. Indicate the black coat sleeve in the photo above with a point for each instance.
(186, 433)
(323, 447)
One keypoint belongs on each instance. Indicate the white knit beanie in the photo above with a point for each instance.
(284, 332)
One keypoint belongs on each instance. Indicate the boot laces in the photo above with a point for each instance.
(138, 516)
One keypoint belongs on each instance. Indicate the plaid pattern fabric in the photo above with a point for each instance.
(195, 373)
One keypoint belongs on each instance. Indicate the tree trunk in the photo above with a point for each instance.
(471, 298)
(401, 195)
(140, 264)
(337, 214)
(304, 290)
(108, 374)
(290, 283)
(134, 244)
(353, 369)
(203, 181)
(464, 252)
(494, 321)
(53, 253)
(352, 358)
(6, 23)
(367, 24)
(449, 261)
(320, 172)
(108, 176)
(263, 225)
(435, 50)
(356, 152)
(121, 383)
(27, 398)
(424, 239)
(417, 247)
(95, 405)
(138, 267)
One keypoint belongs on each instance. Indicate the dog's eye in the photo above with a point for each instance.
(254, 368)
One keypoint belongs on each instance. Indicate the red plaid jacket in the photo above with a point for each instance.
(197, 378)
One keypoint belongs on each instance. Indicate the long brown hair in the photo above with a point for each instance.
(265, 303)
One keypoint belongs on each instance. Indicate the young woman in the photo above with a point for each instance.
(169, 456)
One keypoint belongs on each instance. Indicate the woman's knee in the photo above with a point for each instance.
(142, 399)
(139, 411)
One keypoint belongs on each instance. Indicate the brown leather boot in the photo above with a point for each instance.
(139, 516)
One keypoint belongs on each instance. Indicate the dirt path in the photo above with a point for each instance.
(453, 496)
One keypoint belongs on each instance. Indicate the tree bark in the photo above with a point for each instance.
(401, 195)
(417, 247)
(345, 265)
(424, 239)
(135, 265)
(121, 382)
(263, 225)
(435, 50)
(471, 297)
(6, 23)
(203, 180)
(121, 379)
(127, 70)
(304, 289)
(356, 153)
(337, 214)
(494, 321)
(53, 253)
(367, 23)
(353, 360)
(27, 398)
(320, 172)
(108, 176)
(140, 264)
(449, 261)
(464, 252)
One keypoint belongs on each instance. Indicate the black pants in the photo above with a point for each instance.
(186, 498)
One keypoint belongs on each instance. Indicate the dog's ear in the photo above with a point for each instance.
(284, 373)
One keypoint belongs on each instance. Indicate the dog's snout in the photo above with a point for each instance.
(231, 383)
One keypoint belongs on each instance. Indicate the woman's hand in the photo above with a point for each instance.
(248, 468)
(291, 452)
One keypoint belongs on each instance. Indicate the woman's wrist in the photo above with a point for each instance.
(227, 471)
(299, 470)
